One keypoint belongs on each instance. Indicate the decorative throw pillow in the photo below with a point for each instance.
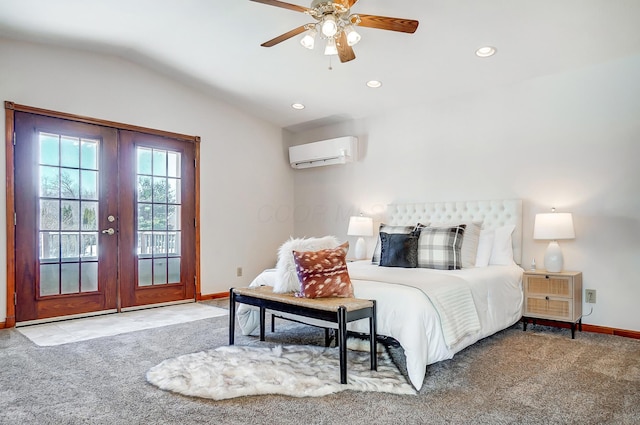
(399, 250)
(323, 273)
(469, 249)
(286, 276)
(439, 247)
(405, 230)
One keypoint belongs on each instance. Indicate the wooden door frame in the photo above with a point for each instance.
(10, 109)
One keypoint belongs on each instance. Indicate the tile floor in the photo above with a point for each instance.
(75, 330)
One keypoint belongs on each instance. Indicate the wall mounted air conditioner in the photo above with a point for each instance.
(325, 152)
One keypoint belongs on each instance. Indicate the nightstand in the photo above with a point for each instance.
(553, 296)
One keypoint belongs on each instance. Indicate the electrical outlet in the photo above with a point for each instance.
(590, 296)
(239, 272)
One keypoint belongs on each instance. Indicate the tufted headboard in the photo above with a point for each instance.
(493, 214)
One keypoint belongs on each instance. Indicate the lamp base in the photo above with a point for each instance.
(553, 259)
(361, 249)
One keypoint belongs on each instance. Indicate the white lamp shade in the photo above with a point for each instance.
(553, 226)
(360, 226)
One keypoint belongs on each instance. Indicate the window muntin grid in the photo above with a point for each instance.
(68, 181)
(158, 216)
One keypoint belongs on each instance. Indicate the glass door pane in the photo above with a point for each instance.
(158, 207)
(68, 210)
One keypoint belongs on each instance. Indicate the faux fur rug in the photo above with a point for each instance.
(293, 370)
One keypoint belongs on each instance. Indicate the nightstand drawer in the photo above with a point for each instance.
(550, 285)
(549, 308)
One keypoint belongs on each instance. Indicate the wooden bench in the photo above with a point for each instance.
(335, 310)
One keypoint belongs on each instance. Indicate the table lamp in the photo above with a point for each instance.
(553, 226)
(360, 226)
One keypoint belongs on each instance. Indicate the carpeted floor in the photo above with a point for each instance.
(541, 376)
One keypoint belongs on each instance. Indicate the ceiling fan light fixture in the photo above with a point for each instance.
(374, 84)
(329, 25)
(298, 106)
(334, 23)
(308, 41)
(352, 35)
(331, 48)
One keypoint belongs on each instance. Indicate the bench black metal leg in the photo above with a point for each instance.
(373, 338)
(327, 337)
(342, 337)
(232, 316)
(273, 323)
(262, 317)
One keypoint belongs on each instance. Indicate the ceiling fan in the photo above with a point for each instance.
(335, 24)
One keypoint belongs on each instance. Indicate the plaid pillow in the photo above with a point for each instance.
(469, 248)
(439, 247)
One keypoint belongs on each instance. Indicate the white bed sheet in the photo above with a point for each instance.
(406, 313)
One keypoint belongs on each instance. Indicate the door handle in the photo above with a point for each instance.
(109, 231)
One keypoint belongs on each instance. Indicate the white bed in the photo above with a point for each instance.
(434, 314)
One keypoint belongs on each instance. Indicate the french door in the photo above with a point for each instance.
(104, 218)
(157, 232)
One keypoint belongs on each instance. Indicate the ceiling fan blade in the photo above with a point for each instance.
(285, 36)
(346, 3)
(345, 52)
(386, 23)
(283, 5)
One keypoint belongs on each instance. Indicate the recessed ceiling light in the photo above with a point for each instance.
(374, 84)
(297, 106)
(486, 51)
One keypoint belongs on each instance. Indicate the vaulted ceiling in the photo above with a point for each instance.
(214, 45)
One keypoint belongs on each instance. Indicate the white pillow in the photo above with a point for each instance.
(470, 239)
(286, 276)
(485, 245)
(502, 250)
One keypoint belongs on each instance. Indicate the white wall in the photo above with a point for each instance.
(243, 169)
(570, 141)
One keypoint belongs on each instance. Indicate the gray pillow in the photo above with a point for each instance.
(391, 230)
(399, 250)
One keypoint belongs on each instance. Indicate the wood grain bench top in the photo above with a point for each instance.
(326, 304)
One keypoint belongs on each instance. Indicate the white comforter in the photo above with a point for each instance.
(433, 314)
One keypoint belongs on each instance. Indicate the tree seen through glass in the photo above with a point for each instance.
(68, 218)
(158, 216)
